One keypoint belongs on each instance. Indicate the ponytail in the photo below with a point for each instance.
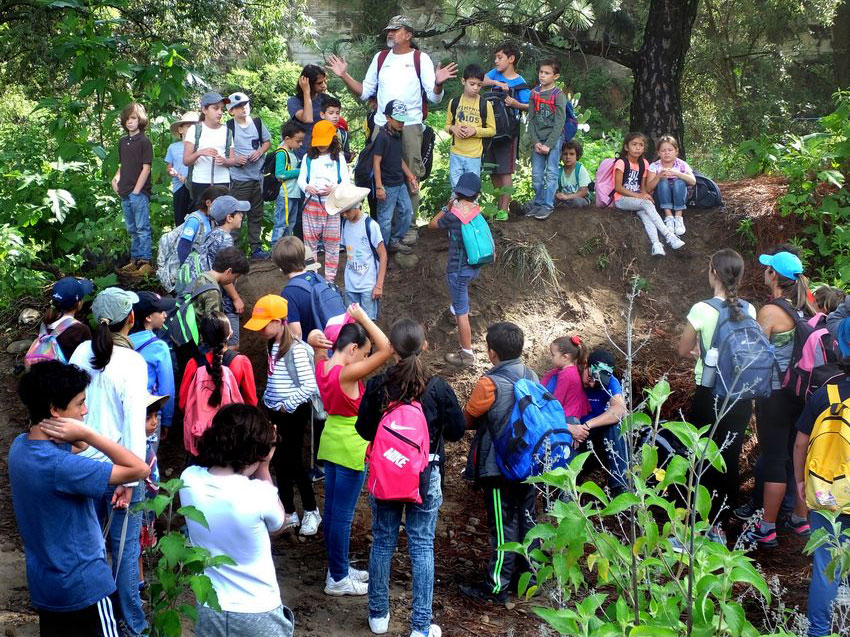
(103, 343)
(797, 292)
(51, 314)
(286, 341)
(728, 268)
(409, 377)
(573, 347)
(215, 329)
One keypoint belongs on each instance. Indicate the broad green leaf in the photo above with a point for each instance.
(745, 572)
(649, 461)
(703, 502)
(59, 201)
(194, 514)
(522, 585)
(652, 631)
(172, 547)
(201, 587)
(658, 395)
(620, 504)
(564, 620)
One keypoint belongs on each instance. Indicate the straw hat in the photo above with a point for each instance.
(189, 117)
(343, 197)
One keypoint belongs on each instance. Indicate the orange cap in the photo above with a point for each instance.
(323, 133)
(269, 308)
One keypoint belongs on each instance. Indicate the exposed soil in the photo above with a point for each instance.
(597, 253)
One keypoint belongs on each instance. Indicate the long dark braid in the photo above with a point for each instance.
(728, 268)
(215, 329)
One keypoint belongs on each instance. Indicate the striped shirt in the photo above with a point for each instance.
(282, 394)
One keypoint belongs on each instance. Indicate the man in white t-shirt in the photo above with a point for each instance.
(405, 74)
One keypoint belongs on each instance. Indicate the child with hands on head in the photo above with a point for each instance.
(564, 381)
(673, 178)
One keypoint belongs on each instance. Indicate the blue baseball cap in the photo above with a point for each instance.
(784, 263)
(69, 291)
(468, 185)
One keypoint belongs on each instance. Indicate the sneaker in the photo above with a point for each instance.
(483, 593)
(543, 212)
(291, 520)
(345, 586)
(658, 249)
(800, 529)
(671, 224)
(311, 523)
(410, 237)
(501, 215)
(379, 625)
(675, 242)
(358, 575)
(460, 358)
(433, 631)
(259, 255)
(717, 534)
(317, 474)
(398, 246)
(679, 224)
(762, 539)
(745, 511)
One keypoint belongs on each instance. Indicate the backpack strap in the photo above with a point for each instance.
(228, 357)
(63, 325)
(146, 343)
(382, 57)
(338, 169)
(789, 309)
(369, 221)
(833, 394)
(309, 165)
(258, 124)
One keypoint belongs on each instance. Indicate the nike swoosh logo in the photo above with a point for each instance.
(401, 427)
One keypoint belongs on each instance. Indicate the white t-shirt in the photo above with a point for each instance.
(240, 513)
(206, 171)
(116, 398)
(361, 268)
(398, 81)
(324, 171)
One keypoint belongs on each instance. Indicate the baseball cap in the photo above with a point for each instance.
(226, 205)
(397, 110)
(150, 302)
(208, 99)
(398, 22)
(268, 308)
(468, 185)
(323, 133)
(784, 263)
(310, 263)
(113, 305)
(237, 99)
(67, 292)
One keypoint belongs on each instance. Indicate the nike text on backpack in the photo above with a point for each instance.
(535, 438)
(325, 300)
(45, 347)
(167, 260)
(705, 193)
(228, 142)
(603, 186)
(182, 326)
(571, 123)
(507, 119)
(199, 413)
(368, 221)
(828, 457)
(745, 358)
(271, 184)
(814, 359)
(399, 454)
(482, 112)
(477, 239)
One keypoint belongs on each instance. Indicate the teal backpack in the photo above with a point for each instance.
(477, 239)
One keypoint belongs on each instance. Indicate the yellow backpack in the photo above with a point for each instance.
(828, 457)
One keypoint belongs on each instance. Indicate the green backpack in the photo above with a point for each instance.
(182, 326)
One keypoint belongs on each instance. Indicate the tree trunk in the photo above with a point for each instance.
(840, 42)
(656, 97)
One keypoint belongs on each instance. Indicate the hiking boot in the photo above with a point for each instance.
(433, 631)
(675, 242)
(800, 529)
(483, 593)
(671, 224)
(379, 625)
(745, 511)
(130, 267)
(290, 521)
(501, 215)
(398, 246)
(311, 523)
(259, 255)
(410, 237)
(345, 586)
(146, 269)
(658, 249)
(679, 224)
(460, 358)
(542, 212)
(756, 537)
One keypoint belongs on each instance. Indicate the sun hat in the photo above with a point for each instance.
(208, 99)
(344, 197)
(113, 305)
(155, 401)
(226, 205)
(323, 133)
(237, 99)
(189, 117)
(67, 292)
(271, 307)
(784, 263)
(397, 110)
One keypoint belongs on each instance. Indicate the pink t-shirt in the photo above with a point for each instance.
(678, 164)
(569, 390)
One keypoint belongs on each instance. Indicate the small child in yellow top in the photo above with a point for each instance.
(469, 120)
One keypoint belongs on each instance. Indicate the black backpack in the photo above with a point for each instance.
(271, 184)
(507, 118)
(705, 193)
(482, 112)
(363, 169)
(429, 141)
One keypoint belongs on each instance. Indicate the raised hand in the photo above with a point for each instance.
(64, 429)
(443, 73)
(338, 65)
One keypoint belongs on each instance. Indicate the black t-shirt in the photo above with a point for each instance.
(388, 146)
(133, 153)
(815, 406)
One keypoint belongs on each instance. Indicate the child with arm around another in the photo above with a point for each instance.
(673, 178)
(569, 355)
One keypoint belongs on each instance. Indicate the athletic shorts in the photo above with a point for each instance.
(97, 620)
(502, 153)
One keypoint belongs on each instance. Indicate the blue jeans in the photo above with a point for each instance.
(137, 218)
(420, 522)
(371, 306)
(671, 194)
(281, 227)
(127, 577)
(342, 488)
(824, 586)
(394, 214)
(458, 164)
(458, 283)
(544, 175)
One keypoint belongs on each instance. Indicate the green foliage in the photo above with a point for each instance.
(178, 566)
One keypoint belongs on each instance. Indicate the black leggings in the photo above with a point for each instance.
(733, 425)
(288, 458)
(776, 417)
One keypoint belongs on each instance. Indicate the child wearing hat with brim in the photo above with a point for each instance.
(322, 170)
(177, 170)
(288, 398)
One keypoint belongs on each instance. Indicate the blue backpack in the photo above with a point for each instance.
(325, 300)
(745, 358)
(536, 438)
(477, 239)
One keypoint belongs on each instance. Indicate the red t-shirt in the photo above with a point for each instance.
(242, 370)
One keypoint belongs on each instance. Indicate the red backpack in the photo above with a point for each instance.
(417, 66)
(199, 413)
(399, 454)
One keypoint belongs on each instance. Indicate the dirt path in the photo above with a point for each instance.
(596, 253)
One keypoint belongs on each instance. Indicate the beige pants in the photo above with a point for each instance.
(411, 153)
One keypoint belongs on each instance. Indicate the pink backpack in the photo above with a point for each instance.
(605, 183)
(199, 413)
(399, 454)
(46, 346)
